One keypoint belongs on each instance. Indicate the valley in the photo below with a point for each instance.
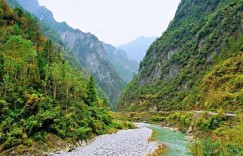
(66, 92)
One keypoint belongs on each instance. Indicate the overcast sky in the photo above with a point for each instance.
(115, 21)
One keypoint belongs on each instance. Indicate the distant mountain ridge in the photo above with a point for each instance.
(137, 48)
(86, 47)
(125, 67)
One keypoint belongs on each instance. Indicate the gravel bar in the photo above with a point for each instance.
(132, 142)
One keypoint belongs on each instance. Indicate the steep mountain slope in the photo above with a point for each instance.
(202, 35)
(43, 100)
(86, 47)
(137, 48)
(125, 67)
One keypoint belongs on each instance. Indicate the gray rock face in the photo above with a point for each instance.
(173, 72)
(91, 54)
(170, 53)
(86, 47)
(124, 143)
(160, 64)
(125, 67)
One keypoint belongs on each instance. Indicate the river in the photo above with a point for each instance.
(176, 142)
(133, 142)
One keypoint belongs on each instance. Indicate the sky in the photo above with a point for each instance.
(115, 21)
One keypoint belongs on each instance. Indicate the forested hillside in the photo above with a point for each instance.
(86, 48)
(191, 80)
(195, 64)
(43, 99)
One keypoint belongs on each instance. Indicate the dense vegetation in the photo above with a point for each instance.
(196, 64)
(81, 49)
(46, 100)
(40, 92)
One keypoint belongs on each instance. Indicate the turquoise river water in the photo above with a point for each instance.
(176, 142)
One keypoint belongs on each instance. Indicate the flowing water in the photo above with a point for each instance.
(176, 142)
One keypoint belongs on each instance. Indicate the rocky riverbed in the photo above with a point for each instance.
(132, 142)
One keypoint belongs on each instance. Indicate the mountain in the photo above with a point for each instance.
(125, 67)
(45, 103)
(137, 48)
(195, 64)
(86, 47)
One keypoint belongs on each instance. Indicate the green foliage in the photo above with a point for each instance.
(222, 86)
(83, 132)
(91, 92)
(118, 124)
(220, 135)
(1, 67)
(195, 64)
(209, 123)
(184, 119)
(214, 147)
(157, 118)
(40, 92)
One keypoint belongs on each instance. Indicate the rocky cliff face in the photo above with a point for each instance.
(90, 51)
(201, 34)
(86, 47)
(125, 67)
(192, 30)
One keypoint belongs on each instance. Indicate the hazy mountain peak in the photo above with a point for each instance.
(125, 67)
(137, 48)
(30, 5)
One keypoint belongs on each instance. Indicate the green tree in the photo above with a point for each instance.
(1, 67)
(67, 81)
(56, 79)
(17, 29)
(40, 92)
(91, 98)
(20, 60)
(7, 87)
(48, 52)
(78, 85)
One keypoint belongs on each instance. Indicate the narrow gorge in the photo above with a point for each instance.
(124, 78)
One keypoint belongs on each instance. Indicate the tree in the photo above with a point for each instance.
(20, 60)
(91, 98)
(56, 78)
(17, 29)
(78, 85)
(7, 87)
(67, 81)
(48, 52)
(1, 68)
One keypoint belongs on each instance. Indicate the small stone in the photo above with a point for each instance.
(125, 142)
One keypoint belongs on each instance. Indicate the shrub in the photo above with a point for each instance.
(157, 118)
(83, 132)
(209, 147)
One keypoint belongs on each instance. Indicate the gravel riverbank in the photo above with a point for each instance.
(132, 142)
